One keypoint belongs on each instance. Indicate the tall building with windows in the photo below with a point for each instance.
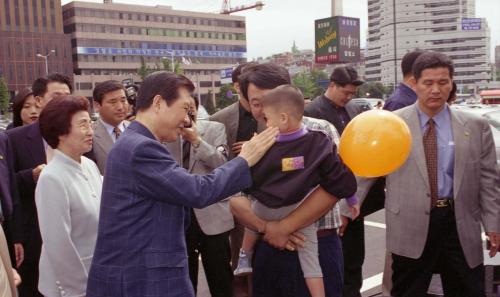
(112, 40)
(28, 28)
(396, 27)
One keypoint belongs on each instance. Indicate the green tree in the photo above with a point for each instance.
(223, 100)
(4, 96)
(372, 90)
(165, 65)
(308, 83)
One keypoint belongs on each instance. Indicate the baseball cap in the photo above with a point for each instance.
(345, 75)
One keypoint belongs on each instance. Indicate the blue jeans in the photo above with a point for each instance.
(278, 274)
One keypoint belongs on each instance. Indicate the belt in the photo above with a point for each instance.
(325, 232)
(444, 202)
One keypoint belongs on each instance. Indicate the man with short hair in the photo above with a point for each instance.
(110, 101)
(146, 196)
(437, 200)
(336, 107)
(29, 155)
(404, 95)
(271, 264)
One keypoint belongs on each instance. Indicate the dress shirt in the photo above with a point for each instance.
(445, 147)
(109, 128)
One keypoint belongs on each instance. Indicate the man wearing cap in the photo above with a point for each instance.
(336, 107)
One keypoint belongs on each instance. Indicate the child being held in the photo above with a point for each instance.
(299, 161)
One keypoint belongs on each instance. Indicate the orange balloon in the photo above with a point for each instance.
(375, 143)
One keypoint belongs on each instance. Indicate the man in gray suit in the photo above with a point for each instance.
(449, 185)
(111, 103)
(240, 127)
(201, 149)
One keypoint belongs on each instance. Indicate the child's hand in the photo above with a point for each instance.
(354, 211)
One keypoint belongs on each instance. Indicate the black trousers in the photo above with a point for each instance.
(215, 255)
(443, 253)
(353, 247)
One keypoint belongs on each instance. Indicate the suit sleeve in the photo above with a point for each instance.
(160, 177)
(212, 153)
(489, 182)
(16, 227)
(54, 216)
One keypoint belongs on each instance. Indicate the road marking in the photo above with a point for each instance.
(375, 224)
(371, 282)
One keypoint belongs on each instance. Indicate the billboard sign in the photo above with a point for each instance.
(337, 40)
(471, 24)
(226, 76)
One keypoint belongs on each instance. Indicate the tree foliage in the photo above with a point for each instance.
(372, 90)
(4, 96)
(223, 100)
(308, 83)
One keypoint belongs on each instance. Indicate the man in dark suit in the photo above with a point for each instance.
(336, 107)
(404, 95)
(141, 246)
(29, 156)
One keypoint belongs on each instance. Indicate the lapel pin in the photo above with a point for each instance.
(466, 134)
(1, 157)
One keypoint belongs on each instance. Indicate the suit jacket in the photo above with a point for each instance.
(26, 144)
(102, 143)
(216, 218)
(141, 248)
(230, 117)
(475, 184)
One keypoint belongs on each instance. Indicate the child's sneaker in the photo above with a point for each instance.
(244, 264)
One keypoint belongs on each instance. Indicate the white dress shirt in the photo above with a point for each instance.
(67, 198)
(110, 128)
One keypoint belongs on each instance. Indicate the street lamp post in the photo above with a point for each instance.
(45, 58)
(171, 53)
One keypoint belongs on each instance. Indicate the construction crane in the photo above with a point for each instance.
(227, 9)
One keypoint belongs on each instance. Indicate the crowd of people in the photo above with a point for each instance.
(113, 207)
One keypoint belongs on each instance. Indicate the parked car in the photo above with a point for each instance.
(363, 102)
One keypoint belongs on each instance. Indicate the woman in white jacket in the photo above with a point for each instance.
(67, 198)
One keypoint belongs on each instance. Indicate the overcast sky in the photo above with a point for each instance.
(274, 28)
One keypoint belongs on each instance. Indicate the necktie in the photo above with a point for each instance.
(186, 148)
(117, 132)
(431, 158)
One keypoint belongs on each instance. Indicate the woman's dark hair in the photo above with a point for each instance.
(163, 83)
(431, 60)
(17, 106)
(264, 76)
(55, 119)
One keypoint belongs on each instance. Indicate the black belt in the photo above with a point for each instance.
(445, 202)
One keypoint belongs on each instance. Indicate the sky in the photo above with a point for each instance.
(281, 22)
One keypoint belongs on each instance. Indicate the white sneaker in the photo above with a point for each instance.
(244, 264)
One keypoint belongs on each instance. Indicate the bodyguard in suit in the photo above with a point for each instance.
(336, 107)
(437, 200)
(146, 196)
(111, 103)
(29, 156)
(201, 149)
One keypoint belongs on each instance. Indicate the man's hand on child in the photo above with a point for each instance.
(354, 211)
